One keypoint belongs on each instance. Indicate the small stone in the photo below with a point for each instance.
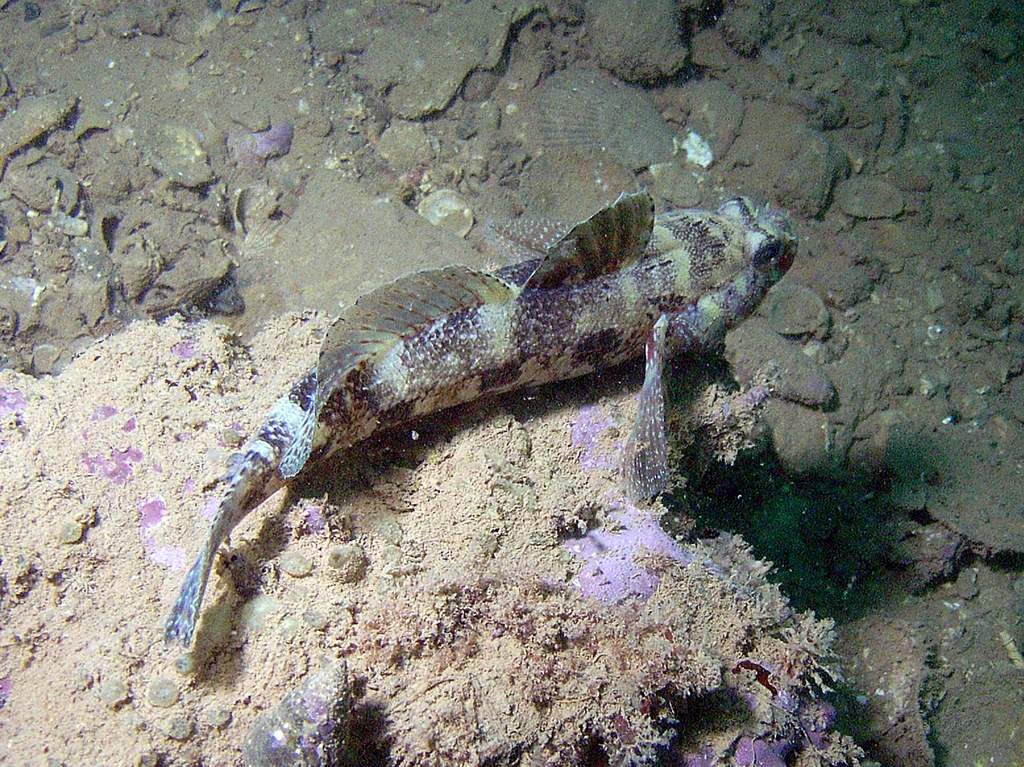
(933, 298)
(177, 153)
(677, 185)
(405, 145)
(33, 118)
(230, 437)
(348, 562)
(113, 691)
(255, 612)
(162, 693)
(795, 310)
(148, 759)
(70, 532)
(296, 564)
(216, 717)
(315, 620)
(290, 627)
(862, 197)
(179, 728)
(44, 358)
(638, 40)
(185, 664)
(446, 208)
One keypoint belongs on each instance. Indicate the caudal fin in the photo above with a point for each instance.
(255, 474)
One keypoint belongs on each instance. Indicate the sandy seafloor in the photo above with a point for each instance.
(286, 156)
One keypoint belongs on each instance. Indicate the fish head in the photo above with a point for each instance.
(770, 238)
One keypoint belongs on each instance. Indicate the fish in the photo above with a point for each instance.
(622, 283)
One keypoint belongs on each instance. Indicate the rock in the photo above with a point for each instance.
(888, 30)
(745, 26)
(447, 208)
(638, 40)
(176, 152)
(800, 164)
(754, 346)
(70, 532)
(405, 145)
(189, 283)
(113, 691)
(33, 118)
(676, 185)
(421, 63)
(865, 197)
(348, 562)
(715, 112)
(296, 564)
(793, 309)
(44, 358)
(800, 437)
(162, 693)
(891, 657)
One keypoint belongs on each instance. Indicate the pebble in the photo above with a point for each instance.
(290, 627)
(863, 197)
(296, 564)
(70, 532)
(315, 620)
(348, 561)
(795, 310)
(176, 152)
(405, 145)
(676, 184)
(33, 118)
(230, 437)
(446, 208)
(162, 693)
(216, 717)
(185, 664)
(113, 691)
(179, 728)
(44, 358)
(255, 612)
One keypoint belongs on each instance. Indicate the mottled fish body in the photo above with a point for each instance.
(620, 282)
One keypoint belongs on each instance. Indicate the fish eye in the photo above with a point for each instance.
(768, 253)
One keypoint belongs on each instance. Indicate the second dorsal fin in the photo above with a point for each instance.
(383, 317)
(612, 238)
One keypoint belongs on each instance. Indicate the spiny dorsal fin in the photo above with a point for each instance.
(525, 238)
(612, 238)
(383, 317)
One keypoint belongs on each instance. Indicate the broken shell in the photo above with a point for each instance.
(447, 209)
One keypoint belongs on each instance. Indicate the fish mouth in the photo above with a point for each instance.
(778, 225)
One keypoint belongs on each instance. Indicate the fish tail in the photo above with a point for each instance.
(254, 475)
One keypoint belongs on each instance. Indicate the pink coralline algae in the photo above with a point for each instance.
(314, 521)
(117, 467)
(103, 412)
(253, 149)
(12, 402)
(758, 752)
(151, 514)
(184, 350)
(611, 572)
(587, 429)
(705, 758)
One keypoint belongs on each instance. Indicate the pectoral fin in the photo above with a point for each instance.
(645, 456)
